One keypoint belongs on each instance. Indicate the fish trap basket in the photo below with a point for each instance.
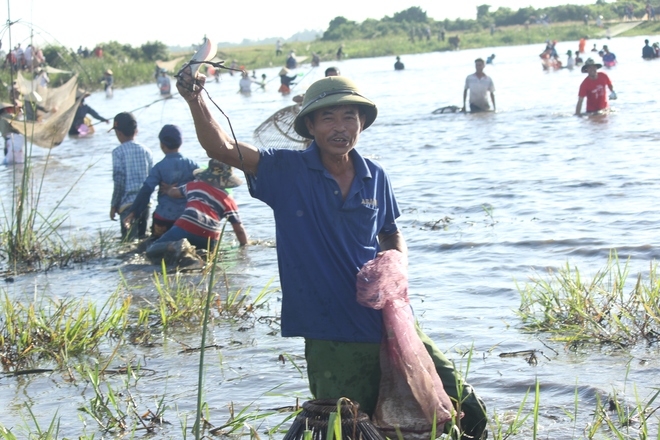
(355, 425)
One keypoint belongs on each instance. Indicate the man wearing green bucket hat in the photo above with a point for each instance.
(334, 210)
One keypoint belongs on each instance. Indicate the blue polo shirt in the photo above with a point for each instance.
(323, 241)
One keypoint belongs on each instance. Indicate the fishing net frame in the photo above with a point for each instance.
(278, 131)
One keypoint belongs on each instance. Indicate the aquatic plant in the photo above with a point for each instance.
(51, 330)
(116, 411)
(31, 238)
(599, 310)
(50, 433)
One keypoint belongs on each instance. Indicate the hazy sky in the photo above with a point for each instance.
(75, 23)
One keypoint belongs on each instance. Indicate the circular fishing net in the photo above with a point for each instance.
(315, 416)
(277, 131)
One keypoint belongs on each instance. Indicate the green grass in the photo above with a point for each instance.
(605, 309)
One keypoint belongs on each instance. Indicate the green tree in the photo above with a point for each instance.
(152, 51)
(482, 12)
(340, 28)
(414, 14)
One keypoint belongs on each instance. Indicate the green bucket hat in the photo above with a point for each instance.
(332, 91)
(218, 174)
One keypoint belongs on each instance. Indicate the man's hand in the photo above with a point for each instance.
(113, 213)
(188, 86)
(128, 221)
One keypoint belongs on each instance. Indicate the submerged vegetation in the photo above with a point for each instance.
(608, 309)
(80, 341)
(50, 332)
(31, 238)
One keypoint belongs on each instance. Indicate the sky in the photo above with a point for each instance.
(135, 22)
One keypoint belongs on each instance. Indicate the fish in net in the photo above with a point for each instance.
(277, 131)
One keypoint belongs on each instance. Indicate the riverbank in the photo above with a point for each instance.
(255, 57)
(129, 73)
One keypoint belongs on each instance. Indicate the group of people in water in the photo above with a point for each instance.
(596, 89)
(550, 59)
(192, 202)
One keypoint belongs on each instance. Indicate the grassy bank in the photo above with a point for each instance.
(129, 73)
(255, 57)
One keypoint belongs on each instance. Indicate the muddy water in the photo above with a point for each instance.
(529, 188)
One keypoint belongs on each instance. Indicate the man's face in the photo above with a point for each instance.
(479, 65)
(592, 71)
(336, 129)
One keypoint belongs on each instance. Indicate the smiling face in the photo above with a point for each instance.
(592, 71)
(336, 129)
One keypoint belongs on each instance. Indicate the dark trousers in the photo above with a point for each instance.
(346, 369)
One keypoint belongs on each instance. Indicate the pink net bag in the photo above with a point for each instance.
(411, 392)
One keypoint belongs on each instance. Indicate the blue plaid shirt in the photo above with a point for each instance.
(131, 163)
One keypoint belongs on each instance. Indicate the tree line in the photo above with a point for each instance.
(415, 21)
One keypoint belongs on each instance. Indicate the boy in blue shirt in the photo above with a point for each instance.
(174, 169)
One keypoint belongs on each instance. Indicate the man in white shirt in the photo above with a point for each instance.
(479, 84)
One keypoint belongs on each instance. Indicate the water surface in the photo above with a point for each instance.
(488, 200)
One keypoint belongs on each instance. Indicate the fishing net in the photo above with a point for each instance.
(60, 104)
(52, 70)
(315, 416)
(411, 395)
(277, 131)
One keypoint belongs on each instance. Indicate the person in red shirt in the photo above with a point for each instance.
(594, 88)
(583, 42)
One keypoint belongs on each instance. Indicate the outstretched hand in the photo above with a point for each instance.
(188, 86)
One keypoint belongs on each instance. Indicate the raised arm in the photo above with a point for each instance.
(218, 144)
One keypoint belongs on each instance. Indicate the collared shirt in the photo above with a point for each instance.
(479, 88)
(323, 240)
(172, 169)
(131, 163)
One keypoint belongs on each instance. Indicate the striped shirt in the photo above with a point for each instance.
(206, 206)
(131, 163)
